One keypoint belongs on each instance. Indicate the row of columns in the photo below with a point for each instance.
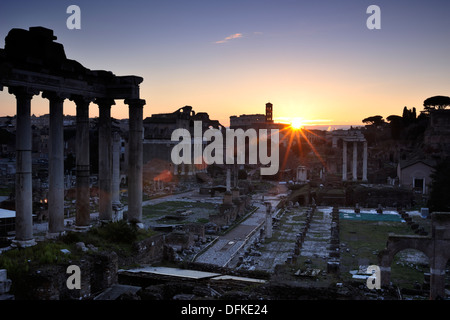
(354, 162)
(24, 205)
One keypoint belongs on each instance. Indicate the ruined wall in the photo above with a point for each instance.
(149, 250)
(49, 282)
(179, 240)
(387, 197)
(98, 272)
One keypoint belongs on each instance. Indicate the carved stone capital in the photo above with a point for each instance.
(54, 96)
(135, 103)
(23, 92)
(104, 102)
(81, 100)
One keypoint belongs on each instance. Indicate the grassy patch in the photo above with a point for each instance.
(170, 206)
(365, 239)
(117, 236)
(19, 261)
(200, 211)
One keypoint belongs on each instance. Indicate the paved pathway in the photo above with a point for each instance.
(228, 245)
(318, 236)
(276, 251)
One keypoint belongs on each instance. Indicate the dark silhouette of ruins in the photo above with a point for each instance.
(31, 63)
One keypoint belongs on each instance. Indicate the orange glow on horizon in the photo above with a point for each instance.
(297, 124)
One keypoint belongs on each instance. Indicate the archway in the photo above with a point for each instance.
(397, 244)
(410, 273)
(436, 247)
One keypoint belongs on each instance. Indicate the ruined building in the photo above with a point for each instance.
(32, 63)
(158, 128)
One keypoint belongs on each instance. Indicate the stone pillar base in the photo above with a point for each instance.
(81, 228)
(333, 267)
(138, 225)
(228, 198)
(54, 235)
(23, 243)
(117, 212)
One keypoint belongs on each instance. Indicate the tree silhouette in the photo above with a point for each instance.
(396, 124)
(409, 116)
(436, 102)
(374, 120)
(440, 188)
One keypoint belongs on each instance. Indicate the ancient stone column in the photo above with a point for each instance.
(24, 192)
(437, 282)
(228, 179)
(235, 193)
(83, 217)
(344, 160)
(135, 161)
(56, 165)
(364, 178)
(104, 159)
(355, 161)
(268, 220)
(115, 180)
(115, 168)
(385, 275)
(334, 142)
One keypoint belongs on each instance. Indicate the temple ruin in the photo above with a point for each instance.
(354, 137)
(32, 63)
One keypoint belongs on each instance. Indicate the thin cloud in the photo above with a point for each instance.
(233, 36)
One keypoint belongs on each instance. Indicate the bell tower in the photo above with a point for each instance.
(269, 108)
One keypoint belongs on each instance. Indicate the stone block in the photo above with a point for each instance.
(5, 297)
(5, 286)
(333, 267)
(3, 275)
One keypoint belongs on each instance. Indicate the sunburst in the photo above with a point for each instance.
(294, 134)
(297, 124)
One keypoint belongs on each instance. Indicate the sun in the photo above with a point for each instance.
(296, 124)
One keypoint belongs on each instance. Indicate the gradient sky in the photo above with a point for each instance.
(314, 60)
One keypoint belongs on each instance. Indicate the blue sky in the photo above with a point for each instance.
(315, 60)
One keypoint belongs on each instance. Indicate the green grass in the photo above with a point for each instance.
(366, 239)
(176, 205)
(5, 191)
(118, 236)
(20, 261)
(113, 236)
(170, 207)
(42, 253)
